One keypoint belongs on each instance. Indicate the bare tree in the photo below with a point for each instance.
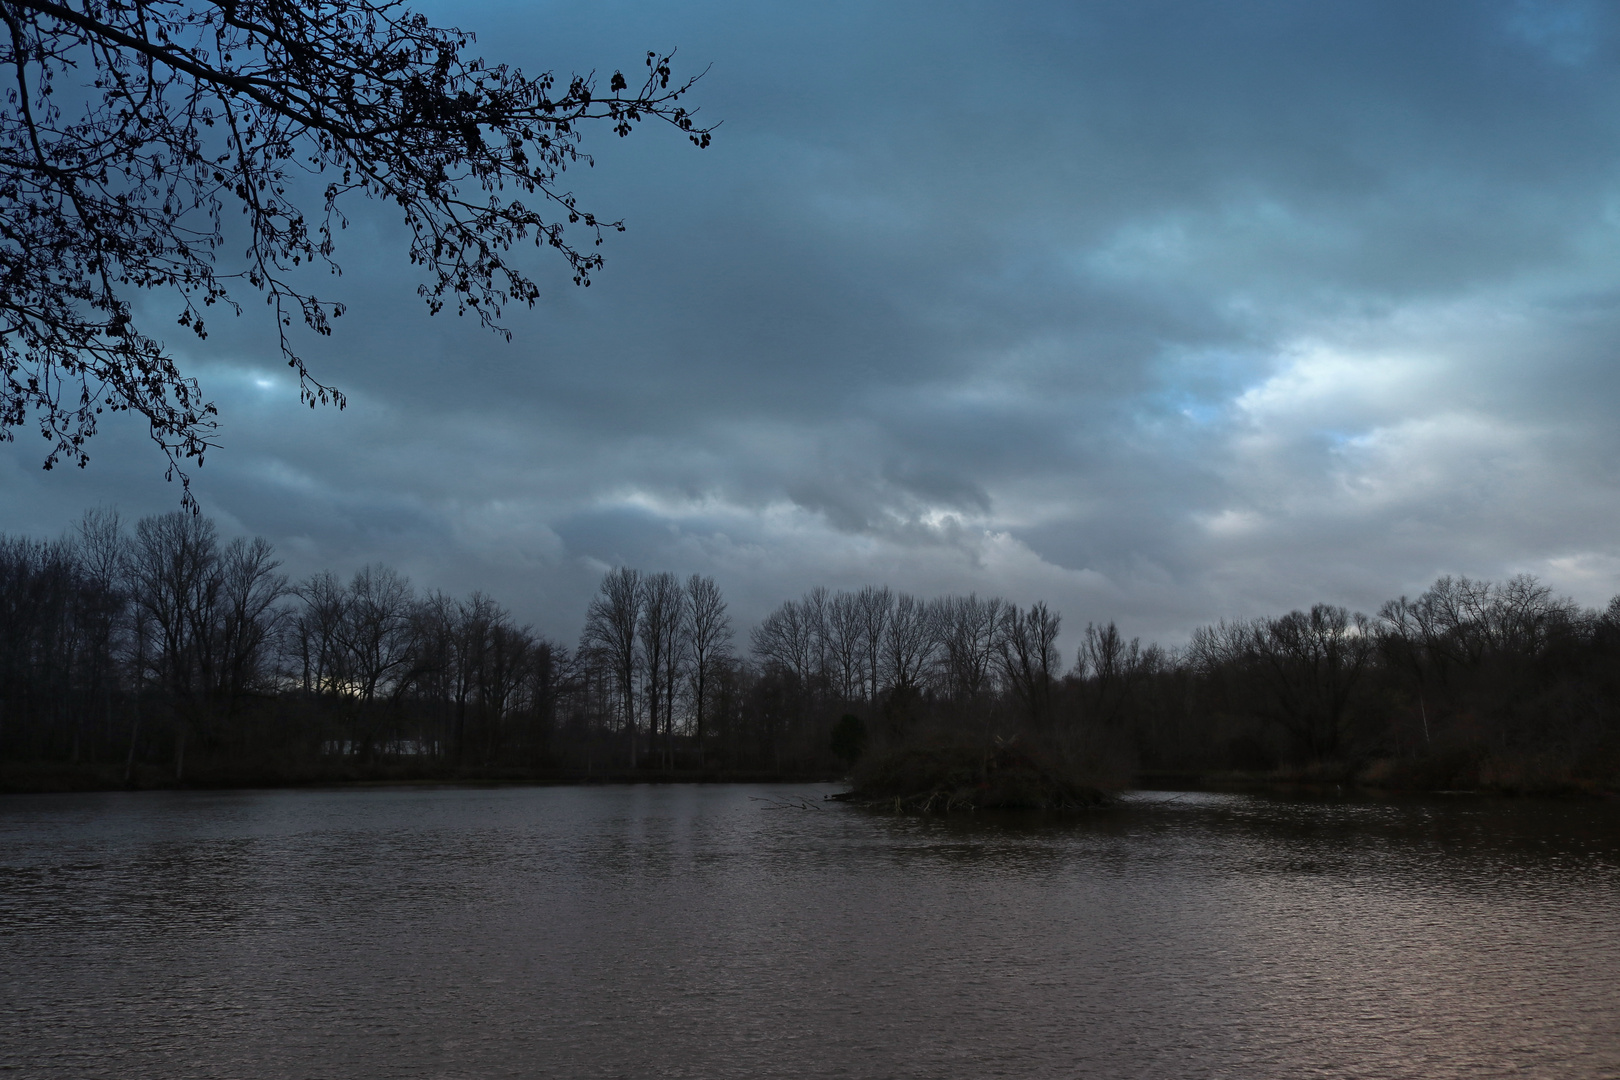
(663, 615)
(1452, 618)
(1222, 644)
(502, 678)
(876, 606)
(471, 621)
(1459, 626)
(1029, 656)
(816, 609)
(174, 570)
(1314, 661)
(250, 593)
(1110, 667)
(40, 641)
(846, 644)
(433, 676)
(130, 128)
(551, 675)
(786, 640)
(376, 630)
(708, 643)
(103, 560)
(908, 647)
(318, 631)
(1524, 616)
(969, 630)
(1297, 671)
(612, 625)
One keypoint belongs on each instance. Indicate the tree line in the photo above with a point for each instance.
(161, 653)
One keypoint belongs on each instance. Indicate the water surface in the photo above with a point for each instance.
(692, 931)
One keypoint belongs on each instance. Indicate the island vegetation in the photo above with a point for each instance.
(162, 655)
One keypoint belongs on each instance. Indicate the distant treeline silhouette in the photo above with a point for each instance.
(159, 654)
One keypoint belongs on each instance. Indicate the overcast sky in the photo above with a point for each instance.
(1160, 312)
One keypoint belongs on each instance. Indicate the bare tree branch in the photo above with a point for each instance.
(128, 127)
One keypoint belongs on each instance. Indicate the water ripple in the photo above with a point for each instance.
(697, 931)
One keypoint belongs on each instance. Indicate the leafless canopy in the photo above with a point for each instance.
(128, 127)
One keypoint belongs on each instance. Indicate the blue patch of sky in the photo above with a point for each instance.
(1201, 384)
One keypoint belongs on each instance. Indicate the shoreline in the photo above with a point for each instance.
(47, 778)
(60, 778)
(1312, 782)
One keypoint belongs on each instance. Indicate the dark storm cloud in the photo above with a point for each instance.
(1161, 311)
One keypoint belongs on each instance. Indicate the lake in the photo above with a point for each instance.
(754, 931)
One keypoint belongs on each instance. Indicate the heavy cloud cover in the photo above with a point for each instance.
(1161, 312)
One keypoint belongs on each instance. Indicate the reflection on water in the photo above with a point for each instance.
(711, 932)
